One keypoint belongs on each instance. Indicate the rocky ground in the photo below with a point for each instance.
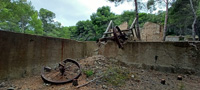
(111, 75)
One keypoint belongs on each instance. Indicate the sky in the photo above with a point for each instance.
(69, 12)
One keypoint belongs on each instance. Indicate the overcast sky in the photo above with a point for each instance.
(69, 12)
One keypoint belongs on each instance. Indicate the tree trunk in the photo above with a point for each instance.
(166, 18)
(137, 23)
(194, 22)
(180, 31)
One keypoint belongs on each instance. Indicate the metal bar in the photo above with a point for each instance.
(118, 29)
(109, 25)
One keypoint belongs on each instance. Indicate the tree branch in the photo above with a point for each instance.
(165, 1)
(89, 82)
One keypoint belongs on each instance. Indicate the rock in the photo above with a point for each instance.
(142, 71)
(2, 84)
(99, 63)
(47, 69)
(106, 65)
(97, 67)
(123, 67)
(98, 82)
(104, 87)
(185, 76)
(47, 84)
(132, 76)
(11, 88)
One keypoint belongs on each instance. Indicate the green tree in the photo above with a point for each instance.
(127, 16)
(100, 19)
(182, 17)
(35, 24)
(15, 15)
(65, 32)
(24, 11)
(47, 19)
(136, 14)
(85, 31)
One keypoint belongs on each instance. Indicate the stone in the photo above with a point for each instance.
(132, 76)
(47, 69)
(123, 67)
(142, 71)
(47, 84)
(104, 87)
(2, 84)
(152, 32)
(97, 67)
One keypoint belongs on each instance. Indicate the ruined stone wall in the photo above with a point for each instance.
(24, 55)
(152, 32)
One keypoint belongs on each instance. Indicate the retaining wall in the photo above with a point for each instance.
(176, 57)
(24, 55)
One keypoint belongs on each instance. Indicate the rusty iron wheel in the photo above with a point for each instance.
(117, 38)
(65, 72)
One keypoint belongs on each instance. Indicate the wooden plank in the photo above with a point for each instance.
(109, 25)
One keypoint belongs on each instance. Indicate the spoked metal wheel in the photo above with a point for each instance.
(65, 72)
(116, 38)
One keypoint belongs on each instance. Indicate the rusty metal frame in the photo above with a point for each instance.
(46, 80)
(119, 36)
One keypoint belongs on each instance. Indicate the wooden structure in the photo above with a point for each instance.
(118, 35)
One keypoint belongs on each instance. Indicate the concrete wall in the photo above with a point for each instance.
(181, 57)
(172, 38)
(23, 55)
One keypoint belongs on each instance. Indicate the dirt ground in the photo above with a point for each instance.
(115, 76)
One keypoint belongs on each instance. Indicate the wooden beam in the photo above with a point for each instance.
(109, 25)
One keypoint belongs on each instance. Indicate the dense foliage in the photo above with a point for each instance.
(20, 16)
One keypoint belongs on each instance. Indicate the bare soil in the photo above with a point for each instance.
(125, 78)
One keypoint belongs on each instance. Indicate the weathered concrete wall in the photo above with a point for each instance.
(23, 55)
(180, 57)
(172, 38)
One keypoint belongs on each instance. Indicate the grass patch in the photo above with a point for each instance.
(181, 86)
(116, 76)
(88, 73)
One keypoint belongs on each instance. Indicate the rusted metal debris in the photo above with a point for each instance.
(67, 71)
(117, 35)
